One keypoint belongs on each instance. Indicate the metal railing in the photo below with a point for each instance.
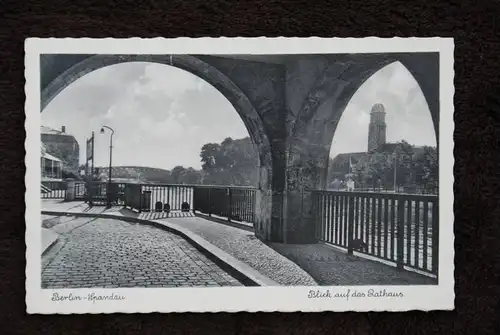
(102, 192)
(405, 190)
(399, 228)
(233, 203)
(80, 191)
(53, 189)
(158, 197)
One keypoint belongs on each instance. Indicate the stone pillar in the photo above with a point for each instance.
(263, 204)
(269, 197)
(70, 190)
(306, 171)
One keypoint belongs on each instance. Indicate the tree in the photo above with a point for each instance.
(378, 170)
(233, 162)
(177, 174)
(359, 171)
(427, 168)
(404, 163)
(209, 153)
(191, 176)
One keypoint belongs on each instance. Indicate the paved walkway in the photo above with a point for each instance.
(108, 253)
(238, 243)
(289, 265)
(243, 245)
(330, 266)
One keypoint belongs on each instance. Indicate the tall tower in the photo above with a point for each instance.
(377, 127)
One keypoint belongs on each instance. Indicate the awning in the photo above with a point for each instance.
(50, 157)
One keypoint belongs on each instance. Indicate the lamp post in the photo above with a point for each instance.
(110, 162)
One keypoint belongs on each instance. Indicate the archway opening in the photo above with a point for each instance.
(165, 118)
(387, 117)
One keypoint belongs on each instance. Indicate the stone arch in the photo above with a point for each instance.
(73, 67)
(427, 80)
(314, 126)
(316, 122)
(325, 103)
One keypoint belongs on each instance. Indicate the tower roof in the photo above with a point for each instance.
(378, 108)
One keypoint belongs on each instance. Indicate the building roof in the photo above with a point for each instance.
(344, 158)
(50, 157)
(384, 148)
(44, 154)
(387, 147)
(51, 131)
(418, 150)
(391, 147)
(48, 130)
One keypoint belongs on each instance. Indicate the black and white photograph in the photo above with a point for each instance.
(239, 174)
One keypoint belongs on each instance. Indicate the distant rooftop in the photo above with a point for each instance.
(48, 130)
(344, 157)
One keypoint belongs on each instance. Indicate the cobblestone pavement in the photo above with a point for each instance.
(294, 265)
(330, 266)
(108, 253)
(243, 245)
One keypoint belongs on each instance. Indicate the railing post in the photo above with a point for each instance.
(229, 204)
(70, 191)
(140, 198)
(315, 215)
(435, 238)
(254, 205)
(89, 192)
(125, 195)
(401, 233)
(350, 223)
(209, 203)
(194, 199)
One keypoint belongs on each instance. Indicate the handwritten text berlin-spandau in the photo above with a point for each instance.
(370, 293)
(89, 297)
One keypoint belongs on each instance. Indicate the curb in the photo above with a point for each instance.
(52, 243)
(242, 272)
(224, 222)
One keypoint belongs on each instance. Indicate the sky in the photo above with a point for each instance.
(162, 115)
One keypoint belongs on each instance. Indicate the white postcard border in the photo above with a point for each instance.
(233, 299)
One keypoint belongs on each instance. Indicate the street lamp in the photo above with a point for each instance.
(110, 160)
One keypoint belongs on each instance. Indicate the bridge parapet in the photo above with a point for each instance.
(398, 228)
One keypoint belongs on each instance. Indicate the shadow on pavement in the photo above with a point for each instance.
(154, 215)
(334, 267)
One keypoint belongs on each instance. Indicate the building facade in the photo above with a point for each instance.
(62, 146)
(51, 167)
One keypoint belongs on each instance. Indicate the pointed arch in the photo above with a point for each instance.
(424, 69)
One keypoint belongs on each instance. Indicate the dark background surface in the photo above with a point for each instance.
(477, 134)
